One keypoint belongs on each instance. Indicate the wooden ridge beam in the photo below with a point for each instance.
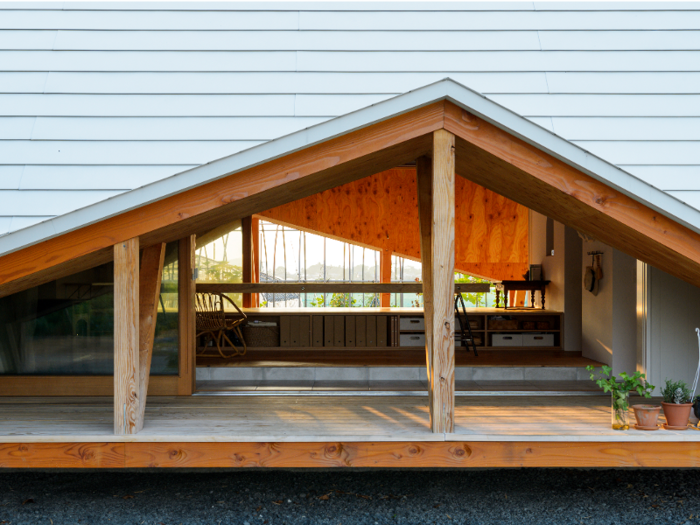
(397, 454)
(332, 287)
(150, 275)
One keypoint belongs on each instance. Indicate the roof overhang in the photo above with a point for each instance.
(495, 148)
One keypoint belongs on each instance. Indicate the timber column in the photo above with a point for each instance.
(436, 206)
(126, 337)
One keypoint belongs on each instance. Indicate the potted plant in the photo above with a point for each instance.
(620, 388)
(677, 404)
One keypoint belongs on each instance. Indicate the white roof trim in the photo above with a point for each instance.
(446, 89)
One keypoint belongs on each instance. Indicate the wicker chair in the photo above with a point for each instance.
(212, 320)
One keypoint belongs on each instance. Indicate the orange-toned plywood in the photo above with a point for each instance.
(381, 211)
(401, 454)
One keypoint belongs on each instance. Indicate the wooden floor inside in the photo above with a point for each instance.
(355, 431)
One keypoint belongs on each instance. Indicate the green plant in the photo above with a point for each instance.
(620, 388)
(676, 392)
(624, 383)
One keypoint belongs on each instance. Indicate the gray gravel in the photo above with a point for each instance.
(342, 497)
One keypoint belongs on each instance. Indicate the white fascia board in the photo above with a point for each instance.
(444, 89)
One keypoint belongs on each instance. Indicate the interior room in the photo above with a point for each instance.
(367, 233)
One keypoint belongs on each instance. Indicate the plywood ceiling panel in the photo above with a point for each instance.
(381, 212)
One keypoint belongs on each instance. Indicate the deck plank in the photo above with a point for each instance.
(322, 419)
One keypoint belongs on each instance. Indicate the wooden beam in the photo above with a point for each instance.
(186, 316)
(332, 287)
(398, 454)
(343, 159)
(247, 248)
(442, 261)
(385, 275)
(59, 386)
(150, 275)
(126, 336)
(424, 185)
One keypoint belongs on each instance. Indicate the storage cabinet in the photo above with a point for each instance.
(396, 328)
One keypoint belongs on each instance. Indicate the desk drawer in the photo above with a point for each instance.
(538, 339)
(507, 340)
(412, 340)
(411, 323)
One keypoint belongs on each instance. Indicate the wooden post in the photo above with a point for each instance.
(150, 276)
(126, 336)
(247, 245)
(385, 271)
(255, 242)
(186, 291)
(436, 205)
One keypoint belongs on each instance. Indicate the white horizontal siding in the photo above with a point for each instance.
(354, 83)
(16, 128)
(485, 21)
(104, 97)
(645, 152)
(286, 82)
(10, 177)
(146, 105)
(621, 128)
(51, 203)
(602, 105)
(668, 178)
(147, 61)
(145, 20)
(216, 128)
(477, 40)
(390, 5)
(92, 177)
(289, 41)
(360, 61)
(123, 152)
(495, 61)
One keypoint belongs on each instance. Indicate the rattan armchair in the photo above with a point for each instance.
(212, 320)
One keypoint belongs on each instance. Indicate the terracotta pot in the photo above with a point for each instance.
(677, 415)
(646, 415)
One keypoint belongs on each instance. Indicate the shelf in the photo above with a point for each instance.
(524, 331)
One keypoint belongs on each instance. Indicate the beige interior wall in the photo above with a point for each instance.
(609, 319)
(563, 270)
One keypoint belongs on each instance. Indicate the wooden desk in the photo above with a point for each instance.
(529, 286)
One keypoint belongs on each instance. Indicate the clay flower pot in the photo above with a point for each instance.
(646, 415)
(677, 415)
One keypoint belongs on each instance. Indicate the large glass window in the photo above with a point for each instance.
(291, 255)
(66, 327)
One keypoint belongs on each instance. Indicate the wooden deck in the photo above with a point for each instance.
(307, 431)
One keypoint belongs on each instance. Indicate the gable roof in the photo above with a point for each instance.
(447, 89)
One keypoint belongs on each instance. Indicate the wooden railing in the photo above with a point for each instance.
(316, 287)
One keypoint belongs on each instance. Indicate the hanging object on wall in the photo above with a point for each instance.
(593, 273)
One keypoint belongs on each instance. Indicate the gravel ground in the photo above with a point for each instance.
(341, 497)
